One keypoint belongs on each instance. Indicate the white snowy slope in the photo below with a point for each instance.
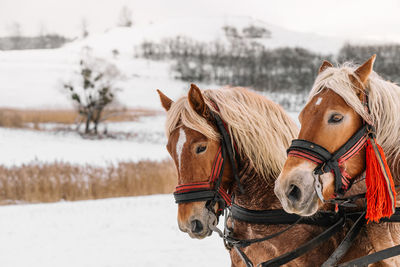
(123, 232)
(34, 78)
(204, 29)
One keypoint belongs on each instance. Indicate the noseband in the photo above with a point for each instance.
(212, 190)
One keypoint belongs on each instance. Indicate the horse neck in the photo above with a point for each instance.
(258, 193)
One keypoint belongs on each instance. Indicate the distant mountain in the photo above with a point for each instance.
(206, 29)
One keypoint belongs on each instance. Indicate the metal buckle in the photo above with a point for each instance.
(318, 187)
(212, 224)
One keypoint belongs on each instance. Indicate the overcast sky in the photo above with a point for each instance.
(344, 18)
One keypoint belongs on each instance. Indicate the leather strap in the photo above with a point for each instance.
(346, 243)
(289, 256)
(272, 217)
(374, 257)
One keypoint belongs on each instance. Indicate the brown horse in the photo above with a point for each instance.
(334, 113)
(261, 131)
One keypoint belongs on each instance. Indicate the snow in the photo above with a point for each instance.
(34, 79)
(203, 29)
(136, 231)
(24, 146)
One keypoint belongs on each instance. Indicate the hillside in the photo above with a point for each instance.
(203, 29)
(34, 78)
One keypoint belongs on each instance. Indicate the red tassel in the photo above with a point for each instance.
(381, 194)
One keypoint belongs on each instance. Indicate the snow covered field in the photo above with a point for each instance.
(124, 232)
(24, 146)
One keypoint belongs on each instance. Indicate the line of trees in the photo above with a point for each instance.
(15, 39)
(47, 41)
(244, 61)
(388, 58)
(240, 61)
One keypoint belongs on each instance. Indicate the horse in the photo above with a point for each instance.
(342, 101)
(261, 131)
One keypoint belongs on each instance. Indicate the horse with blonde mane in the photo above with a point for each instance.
(261, 131)
(344, 101)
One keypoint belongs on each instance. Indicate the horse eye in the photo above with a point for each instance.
(335, 118)
(200, 149)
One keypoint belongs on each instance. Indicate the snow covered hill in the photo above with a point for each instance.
(204, 29)
(124, 232)
(34, 78)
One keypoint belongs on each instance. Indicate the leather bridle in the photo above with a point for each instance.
(327, 162)
(211, 190)
(333, 162)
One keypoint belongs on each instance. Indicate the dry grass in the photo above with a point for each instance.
(37, 182)
(19, 118)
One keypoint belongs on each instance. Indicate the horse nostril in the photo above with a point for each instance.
(197, 226)
(294, 193)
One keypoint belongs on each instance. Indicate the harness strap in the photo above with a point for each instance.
(194, 196)
(247, 242)
(228, 144)
(346, 243)
(374, 257)
(244, 257)
(289, 256)
(279, 216)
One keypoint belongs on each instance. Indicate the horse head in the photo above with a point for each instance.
(199, 163)
(322, 163)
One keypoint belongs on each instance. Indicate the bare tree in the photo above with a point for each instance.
(94, 91)
(125, 17)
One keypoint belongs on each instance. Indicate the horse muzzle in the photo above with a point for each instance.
(297, 192)
(198, 225)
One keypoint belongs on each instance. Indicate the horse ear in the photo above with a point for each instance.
(326, 64)
(365, 69)
(166, 102)
(196, 100)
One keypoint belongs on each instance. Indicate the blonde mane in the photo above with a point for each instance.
(260, 128)
(384, 105)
